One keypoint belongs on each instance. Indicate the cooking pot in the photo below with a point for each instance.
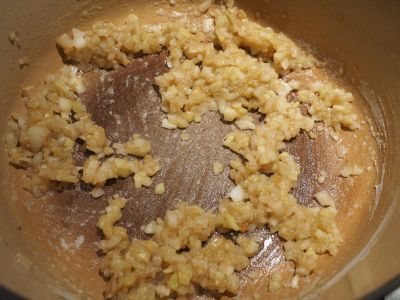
(360, 35)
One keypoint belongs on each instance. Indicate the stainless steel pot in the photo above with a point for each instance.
(362, 35)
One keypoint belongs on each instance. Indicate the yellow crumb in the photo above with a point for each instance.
(97, 192)
(342, 151)
(185, 136)
(24, 62)
(348, 171)
(218, 167)
(159, 189)
(275, 282)
(13, 37)
(204, 6)
(322, 176)
(324, 199)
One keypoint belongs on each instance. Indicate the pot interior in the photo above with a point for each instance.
(37, 269)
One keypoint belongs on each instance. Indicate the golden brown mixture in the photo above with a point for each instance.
(209, 71)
